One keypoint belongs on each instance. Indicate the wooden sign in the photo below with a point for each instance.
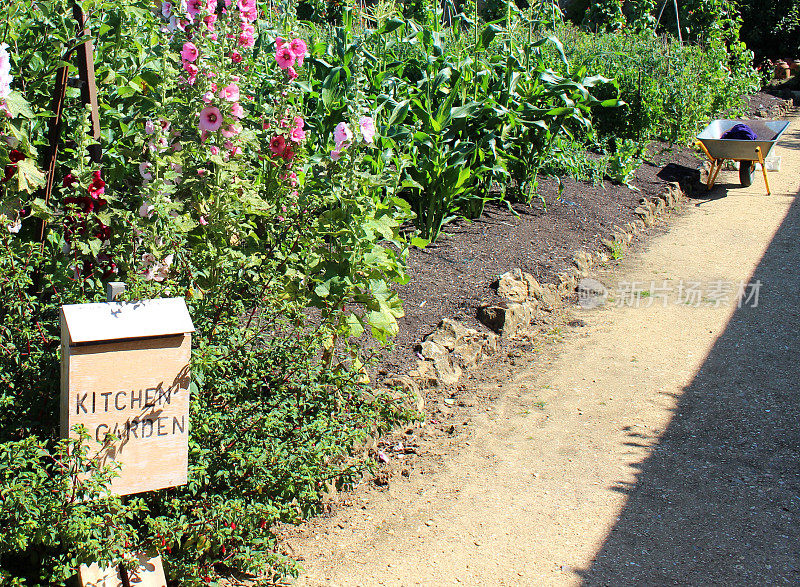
(149, 573)
(125, 378)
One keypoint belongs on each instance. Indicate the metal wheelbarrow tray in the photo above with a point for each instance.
(747, 153)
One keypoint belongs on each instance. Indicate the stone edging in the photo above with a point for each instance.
(452, 349)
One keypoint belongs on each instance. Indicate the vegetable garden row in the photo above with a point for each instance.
(272, 163)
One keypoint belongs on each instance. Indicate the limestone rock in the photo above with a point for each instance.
(448, 373)
(469, 354)
(512, 286)
(550, 299)
(534, 288)
(583, 262)
(491, 343)
(448, 333)
(568, 281)
(507, 319)
(432, 350)
(424, 375)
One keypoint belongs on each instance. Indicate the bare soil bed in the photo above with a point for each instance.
(452, 278)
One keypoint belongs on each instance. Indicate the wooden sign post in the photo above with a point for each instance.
(125, 378)
(150, 573)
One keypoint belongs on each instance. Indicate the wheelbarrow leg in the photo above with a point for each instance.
(763, 169)
(712, 174)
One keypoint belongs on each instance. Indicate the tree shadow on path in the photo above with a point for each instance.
(717, 502)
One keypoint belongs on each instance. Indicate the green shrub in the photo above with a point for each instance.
(223, 217)
(670, 89)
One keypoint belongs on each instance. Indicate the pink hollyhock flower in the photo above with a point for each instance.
(143, 170)
(231, 130)
(247, 37)
(208, 97)
(210, 119)
(236, 57)
(335, 154)
(192, 70)
(279, 42)
(214, 150)
(149, 127)
(290, 71)
(177, 147)
(166, 9)
(230, 93)
(203, 221)
(248, 10)
(237, 110)
(165, 124)
(342, 134)
(367, 125)
(284, 57)
(195, 7)
(299, 49)
(146, 209)
(277, 145)
(190, 52)
(299, 122)
(298, 135)
(210, 21)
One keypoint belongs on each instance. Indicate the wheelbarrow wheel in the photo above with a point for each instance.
(746, 171)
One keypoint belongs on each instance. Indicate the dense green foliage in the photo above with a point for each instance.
(222, 220)
(670, 89)
(771, 29)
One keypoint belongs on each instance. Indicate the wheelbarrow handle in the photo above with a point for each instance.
(705, 150)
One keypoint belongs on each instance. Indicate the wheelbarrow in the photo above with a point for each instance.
(747, 153)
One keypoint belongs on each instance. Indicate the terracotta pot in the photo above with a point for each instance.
(782, 70)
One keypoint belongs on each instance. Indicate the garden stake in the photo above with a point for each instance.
(763, 168)
(88, 95)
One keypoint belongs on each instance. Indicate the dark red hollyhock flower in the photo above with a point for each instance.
(288, 154)
(107, 264)
(15, 156)
(98, 186)
(69, 180)
(103, 232)
(85, 203)
(9, 173)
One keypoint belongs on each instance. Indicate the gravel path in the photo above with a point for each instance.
(660, 445)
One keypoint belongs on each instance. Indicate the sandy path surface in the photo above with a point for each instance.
(660, 446)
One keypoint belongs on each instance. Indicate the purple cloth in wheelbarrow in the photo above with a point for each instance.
(740, 132)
